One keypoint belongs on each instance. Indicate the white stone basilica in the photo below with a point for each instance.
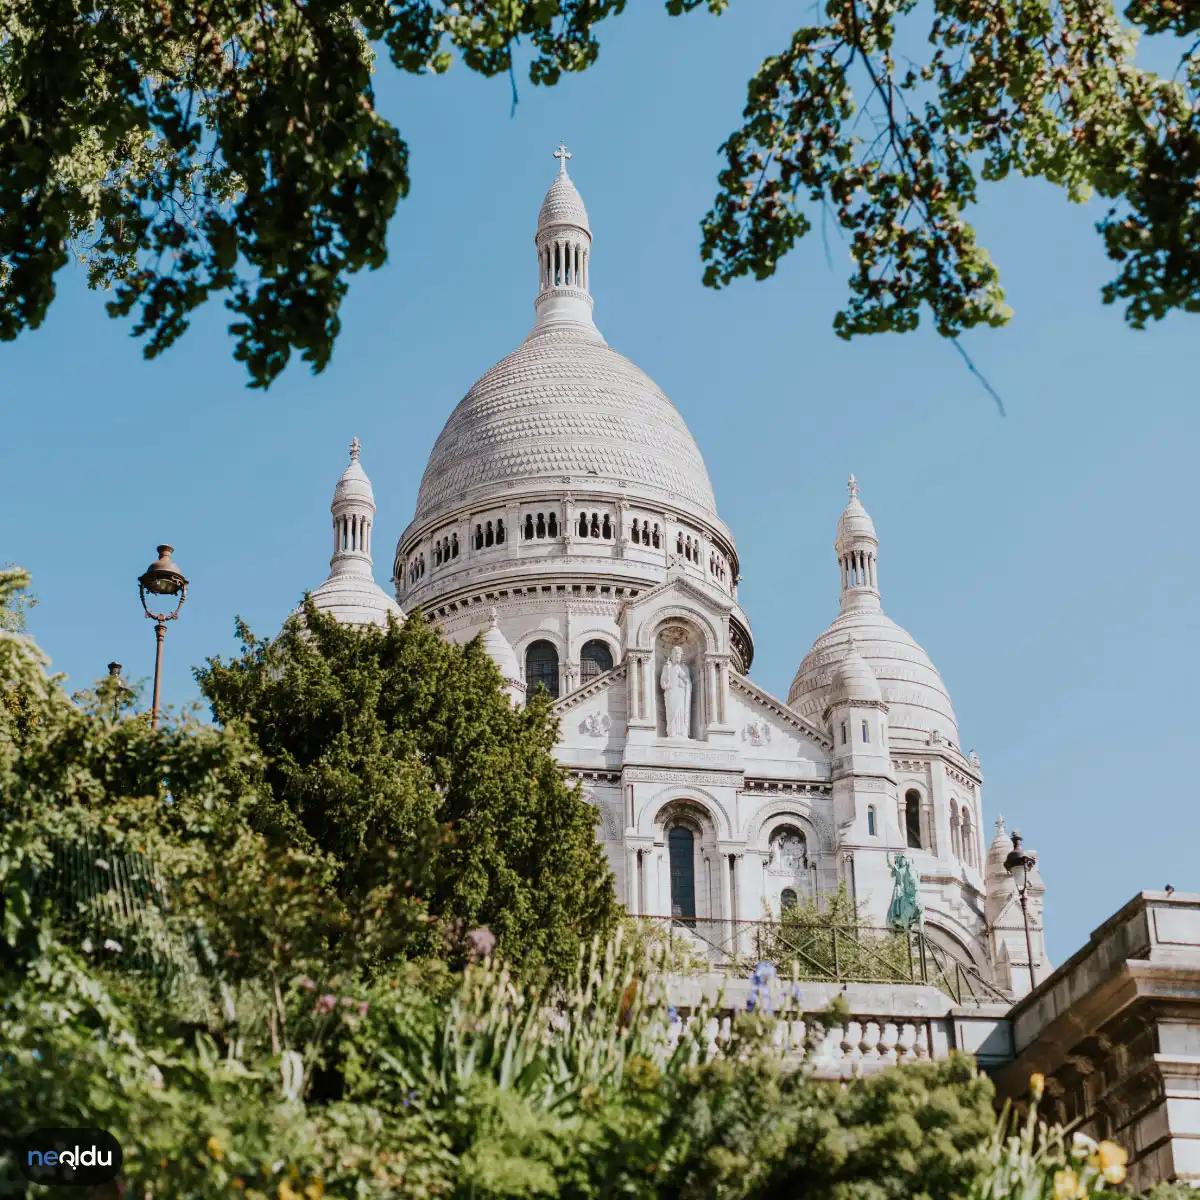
(566, 515)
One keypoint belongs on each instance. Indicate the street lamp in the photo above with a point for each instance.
(162, 578)
(1020, 864)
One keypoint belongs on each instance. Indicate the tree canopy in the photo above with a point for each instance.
(189, 149)
(397, 737)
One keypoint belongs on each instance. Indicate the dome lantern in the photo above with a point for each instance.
(857, 549)
(564, 250)
(350, 593)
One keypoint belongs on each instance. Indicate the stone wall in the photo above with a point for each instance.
(1116, 1032)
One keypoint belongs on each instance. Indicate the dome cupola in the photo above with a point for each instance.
(564, 249)
(853, 680)
(350, 593)
(919, 708)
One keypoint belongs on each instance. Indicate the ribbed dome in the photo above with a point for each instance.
(564, 408)
(917, 700)
(563, 205)
(853, 679)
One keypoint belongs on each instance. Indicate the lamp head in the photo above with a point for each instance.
(163, 577)
(1019, 863)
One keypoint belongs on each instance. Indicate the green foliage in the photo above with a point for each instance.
(186, 150)
(305, 1054)
(395, 737)
(888, 116)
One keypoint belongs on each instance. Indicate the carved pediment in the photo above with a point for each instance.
(771, 714)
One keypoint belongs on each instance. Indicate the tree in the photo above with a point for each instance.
(16, 601)
(395, 737)
(186, 149)
(886, 117)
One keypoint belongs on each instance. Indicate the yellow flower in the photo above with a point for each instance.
(1068, 1187)
(1037, 1085)
(1112, 1160)
(286, 1192)
(214, 1148)
(315, 1190)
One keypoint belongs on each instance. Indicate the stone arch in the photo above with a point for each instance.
(647, 632)
(780, 812)
(949, 933)
(680, 797)
(701, 819)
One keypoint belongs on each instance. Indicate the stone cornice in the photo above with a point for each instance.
(777, 708)
(600, 684)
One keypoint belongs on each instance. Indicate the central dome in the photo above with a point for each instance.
(564, 406)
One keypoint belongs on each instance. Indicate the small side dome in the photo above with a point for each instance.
(500, 651)
(853, 680)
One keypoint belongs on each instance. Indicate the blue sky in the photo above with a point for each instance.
(1046, 560)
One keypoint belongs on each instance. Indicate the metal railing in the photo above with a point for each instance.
(819, 952)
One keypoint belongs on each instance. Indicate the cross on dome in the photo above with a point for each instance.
(355, 450)
(853, 486)
(562, 154)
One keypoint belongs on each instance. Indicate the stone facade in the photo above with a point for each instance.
(566, 516)
(1116, 1032)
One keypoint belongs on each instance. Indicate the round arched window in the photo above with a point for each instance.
(541, 667)
(594, 660)
(788, 899)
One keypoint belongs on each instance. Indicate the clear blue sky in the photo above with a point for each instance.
(1046, 561)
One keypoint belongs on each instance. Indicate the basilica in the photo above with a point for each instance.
(566, 517)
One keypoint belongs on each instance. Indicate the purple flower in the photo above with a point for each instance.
(306, 983)
(325, 1004)
(480, 943)
(363, 1006)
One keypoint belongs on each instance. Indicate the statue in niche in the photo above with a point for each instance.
(676, 684)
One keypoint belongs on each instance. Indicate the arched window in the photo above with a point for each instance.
(788, 900)
(529, 527)
(636, 533)
(657, 537)
(606, 528)
(500, 531)
(478, 537)
(594, 660)
(871, 820)
(437, 555)
(967, 839)
(541, 525)
(866, 732)
(681, 846)
(489, 538)
(454, 545)
(553, 525)
(912, 818)
(541, 666)
(583, 525)
(955, 831)
(679, 543)
(595, 525)
(844, 734)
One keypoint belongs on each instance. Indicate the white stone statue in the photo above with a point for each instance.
(676, 684)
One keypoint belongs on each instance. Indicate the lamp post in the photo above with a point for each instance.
(162, 578)
(1019, 864)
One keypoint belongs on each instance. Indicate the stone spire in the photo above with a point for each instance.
(857, 548)
(564, 250)
(350, 593)
(353, 511)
